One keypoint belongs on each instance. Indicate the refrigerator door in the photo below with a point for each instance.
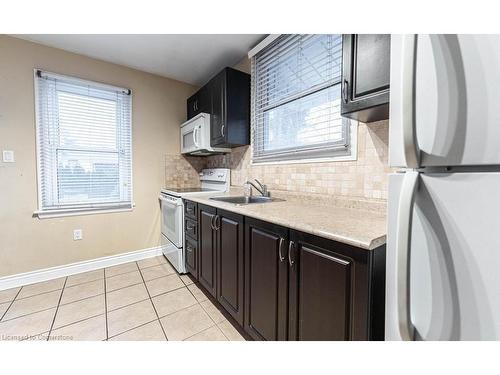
(444, 97)
(454, 258)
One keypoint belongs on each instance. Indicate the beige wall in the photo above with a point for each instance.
(28, 243)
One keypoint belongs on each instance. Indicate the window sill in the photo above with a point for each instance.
(306, 161)
(49, 214)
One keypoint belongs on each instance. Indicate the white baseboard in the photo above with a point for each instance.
(45, 274)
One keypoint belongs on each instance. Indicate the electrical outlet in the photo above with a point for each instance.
(77, 234)
(8, 156)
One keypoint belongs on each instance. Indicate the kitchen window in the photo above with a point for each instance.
(296, 93)
(83, 146)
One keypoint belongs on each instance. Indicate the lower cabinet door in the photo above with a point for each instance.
(191, 256)
(207, 248)
(320, 291)
(265, 280)
(230, 263)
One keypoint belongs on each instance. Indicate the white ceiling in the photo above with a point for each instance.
(191, 58)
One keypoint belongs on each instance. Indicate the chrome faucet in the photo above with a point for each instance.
(262, 190)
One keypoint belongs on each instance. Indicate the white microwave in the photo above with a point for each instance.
(195, 137)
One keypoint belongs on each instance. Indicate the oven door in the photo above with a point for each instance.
(171, 219)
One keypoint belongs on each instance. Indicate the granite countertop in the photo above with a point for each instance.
(354, 226)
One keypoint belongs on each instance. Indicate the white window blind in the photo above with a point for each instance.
(84, 144)
(296, 84)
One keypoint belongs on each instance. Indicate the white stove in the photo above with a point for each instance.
(172, 212)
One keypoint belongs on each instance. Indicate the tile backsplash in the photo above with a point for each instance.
(365, 177)
(182, 171)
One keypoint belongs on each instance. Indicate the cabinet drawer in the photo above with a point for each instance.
(191, 228)
(191, 210)
(191, 248)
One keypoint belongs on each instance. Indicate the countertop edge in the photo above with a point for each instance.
(205, 200)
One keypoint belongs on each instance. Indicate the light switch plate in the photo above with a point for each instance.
(8, 156)
(77, 234)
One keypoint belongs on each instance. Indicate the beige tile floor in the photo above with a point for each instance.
(144, 300)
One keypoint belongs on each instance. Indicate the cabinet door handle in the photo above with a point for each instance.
(222, 129)
(345, 91)
(189, 226)
(217, 222)
(212, 222)
(290, 260)
(189, 248)
(282, 258)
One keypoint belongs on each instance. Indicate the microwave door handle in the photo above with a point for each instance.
(408, 74)
(195, 136)
(403, 248)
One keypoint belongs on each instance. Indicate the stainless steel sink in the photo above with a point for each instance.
(240, 200)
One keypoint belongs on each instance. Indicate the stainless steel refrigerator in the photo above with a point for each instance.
(443, 245)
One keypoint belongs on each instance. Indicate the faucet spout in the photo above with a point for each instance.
(262, 189)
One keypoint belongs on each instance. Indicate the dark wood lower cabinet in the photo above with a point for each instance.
(207, 248)
(320, 285)
(282, 284)
(331, 288)
(266, 278)
(230, 263)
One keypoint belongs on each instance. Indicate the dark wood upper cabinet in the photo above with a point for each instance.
(230, 122)
(207, 248)
(266, 279)
(230, 263)
(365, 76)
(226, 97)
(199, 102)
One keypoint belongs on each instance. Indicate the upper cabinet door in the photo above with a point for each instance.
(451, 85)
(365, 76)
(199, 102)
(218, 129)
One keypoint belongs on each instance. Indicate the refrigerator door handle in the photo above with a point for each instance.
(409, 64)
(403, 243)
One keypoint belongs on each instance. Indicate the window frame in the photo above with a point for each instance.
(91, 208)
(300, 155)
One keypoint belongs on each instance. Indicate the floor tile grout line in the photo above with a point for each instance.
(139, 326)
(159, 277)
(151, 300)
(86, 282)
(77, 321)
(83, 283)
(89, 297)
(10, 305)
(105, 304)
(57, 309)
(82, 299)
(31, 313)
(203, 330)
(38, 294)
(128, 304)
